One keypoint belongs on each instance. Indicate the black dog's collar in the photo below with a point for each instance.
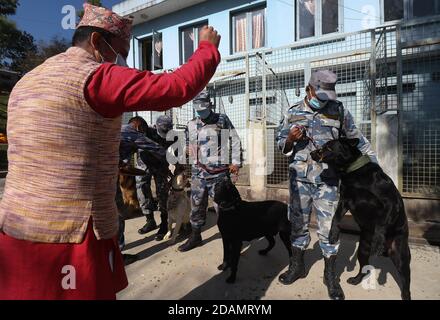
(178, 190)
(359, 163)
(226, 209)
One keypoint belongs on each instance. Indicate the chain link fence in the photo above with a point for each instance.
(419, 61)
(395, 68)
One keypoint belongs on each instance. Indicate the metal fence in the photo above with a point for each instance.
(393, 68)
(419, 98)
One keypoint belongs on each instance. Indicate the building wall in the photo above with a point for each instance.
(216, 12)
(280, 24)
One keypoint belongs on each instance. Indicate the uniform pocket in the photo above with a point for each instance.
(300, 164)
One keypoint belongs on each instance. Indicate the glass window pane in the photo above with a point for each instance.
(258, 32)
(157, 51)
(240, 32)
(393, 10)
(146, 47)
(424, 8)
(330, 16)
(188, 43)
(306, 14)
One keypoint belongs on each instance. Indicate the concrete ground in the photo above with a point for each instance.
(161, 272)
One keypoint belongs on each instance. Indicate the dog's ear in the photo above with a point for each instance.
(353, 142)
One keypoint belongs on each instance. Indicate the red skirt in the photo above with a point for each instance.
(92, 270)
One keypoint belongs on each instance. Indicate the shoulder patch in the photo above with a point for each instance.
(297, 118)
(331, 116)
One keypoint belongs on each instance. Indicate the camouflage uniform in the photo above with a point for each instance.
(143, 186)
(314, 184)
(151, 158)
(154, 161)
(131, 141)
(212, 163)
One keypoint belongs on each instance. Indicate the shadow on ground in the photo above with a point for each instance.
(252, 266)
(162, 245)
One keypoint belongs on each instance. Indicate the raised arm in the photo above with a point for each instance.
(113, 90)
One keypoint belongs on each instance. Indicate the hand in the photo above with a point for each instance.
(234, 169)
(210, 34)
(295, 134)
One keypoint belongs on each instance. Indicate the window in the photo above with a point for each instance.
(306, 16)
(317, 17)
(189, 40)
(330, 16)
(393, 10)
(425, 8)
(151, 50)
(249, 30)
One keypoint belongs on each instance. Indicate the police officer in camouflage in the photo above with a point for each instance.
(154, 161)
(133, 139)
(211, 137)
(306, 126)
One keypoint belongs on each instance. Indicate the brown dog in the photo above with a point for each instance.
(127, 184)
(179, 207)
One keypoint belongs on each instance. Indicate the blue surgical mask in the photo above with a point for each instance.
(317, 104)
(120, 61)
(204, 114)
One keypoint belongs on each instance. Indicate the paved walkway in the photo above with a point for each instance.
(164, 273)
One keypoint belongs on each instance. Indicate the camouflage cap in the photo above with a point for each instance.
(164, 123)
(202, 101)
(324, 83)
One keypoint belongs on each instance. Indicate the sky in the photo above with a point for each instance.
(43, 18)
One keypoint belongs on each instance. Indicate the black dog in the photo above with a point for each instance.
(244, 221)
(375, 204)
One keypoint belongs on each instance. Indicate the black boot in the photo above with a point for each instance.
(331, 280)
(150, 225)
(194, 241)
(297, 269)
(163, 228)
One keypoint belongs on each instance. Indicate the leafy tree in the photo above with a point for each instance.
(44, 51)
(8, 7)
(15, 45)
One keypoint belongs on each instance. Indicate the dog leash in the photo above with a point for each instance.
(211, 171)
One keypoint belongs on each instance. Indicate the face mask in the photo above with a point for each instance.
(317, 104)
(120, 61)
(204, 114)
